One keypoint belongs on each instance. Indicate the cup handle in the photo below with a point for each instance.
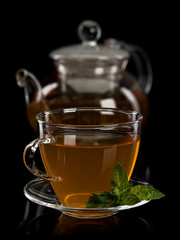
(29, 159)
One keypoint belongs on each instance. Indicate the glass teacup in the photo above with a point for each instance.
(80, 148)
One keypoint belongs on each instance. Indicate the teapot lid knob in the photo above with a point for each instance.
(89, 32)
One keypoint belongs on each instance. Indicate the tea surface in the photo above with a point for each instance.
(85, 163)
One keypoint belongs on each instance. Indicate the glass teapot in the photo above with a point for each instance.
(91, 75)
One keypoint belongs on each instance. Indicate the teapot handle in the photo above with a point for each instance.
(32, 87)
(143, 66)
(141, 61)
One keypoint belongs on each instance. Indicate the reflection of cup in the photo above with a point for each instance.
(80, 148)
(67, 226)
(130, 225)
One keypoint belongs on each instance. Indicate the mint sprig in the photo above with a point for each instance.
(122, 193)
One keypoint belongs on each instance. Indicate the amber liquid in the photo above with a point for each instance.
(86, 166)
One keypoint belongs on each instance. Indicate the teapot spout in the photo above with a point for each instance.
(32, 86)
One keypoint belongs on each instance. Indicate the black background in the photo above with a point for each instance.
(30, 31)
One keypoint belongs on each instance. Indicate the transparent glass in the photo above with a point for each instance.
(40, 192)
(114, 75)
(80, 148)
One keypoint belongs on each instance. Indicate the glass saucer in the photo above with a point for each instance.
(40, 191)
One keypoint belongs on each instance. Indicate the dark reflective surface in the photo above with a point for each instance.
(146, 222)
(52, 224)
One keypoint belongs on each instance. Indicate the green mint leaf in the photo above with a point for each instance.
(103, 199)
(113, 185)
(93, 201)
(122, 193)
(118, 191)
(146, 192)
(120, 175)
(128, 198)
(121, 183)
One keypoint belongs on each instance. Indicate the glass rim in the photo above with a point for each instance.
(137, 118)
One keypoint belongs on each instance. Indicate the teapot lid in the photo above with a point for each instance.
(89, 33)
